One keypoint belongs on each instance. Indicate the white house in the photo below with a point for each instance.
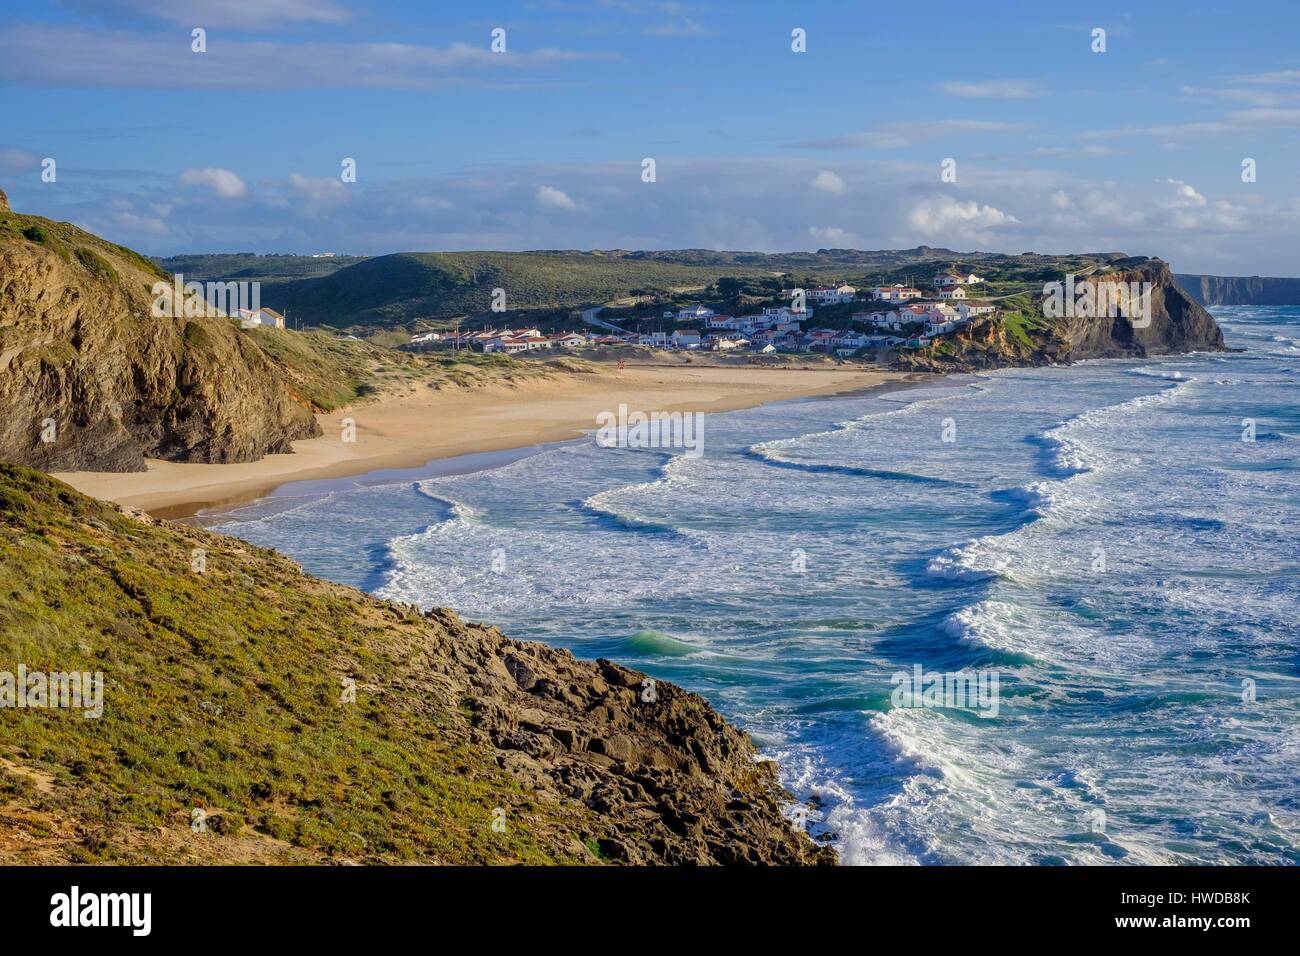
(833, 296)
(685, 339)
(946, 280)
(951, 292)
(850, 340)
(694, 313)
(973, 307)
(250, 318)
(973, 279)
(569, 340)
(726, 343)
(894, 293)
(784, 313)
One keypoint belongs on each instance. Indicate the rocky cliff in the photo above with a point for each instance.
(252, 713)
(1240, 290)
(90, 380)
(1030, 337)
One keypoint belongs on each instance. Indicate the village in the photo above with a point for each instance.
(897, 317)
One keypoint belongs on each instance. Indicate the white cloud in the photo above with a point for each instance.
(235, 13)
(17, 160)
(554, 198)
(44, 55)
(993, 89)
(720, 203)
(953, 220)
(1187, 194)
(682, 28)
(1085, 149)
(834, 237)
(221, 181)
(828, 182)
(318, 188)
(898, 135)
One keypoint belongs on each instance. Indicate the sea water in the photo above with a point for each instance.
(1116, 542)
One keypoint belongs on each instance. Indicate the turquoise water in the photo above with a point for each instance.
(1100, 537)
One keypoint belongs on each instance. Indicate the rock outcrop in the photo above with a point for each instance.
(1240, 290)
(308, 722)
(1178, 324)
(91, 380)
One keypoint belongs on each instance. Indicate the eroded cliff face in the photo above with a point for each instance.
(90, 380)
(1178, 324)
(1241, 290)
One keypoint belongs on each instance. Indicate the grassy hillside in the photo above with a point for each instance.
(267, 269)
(402, 288)
(226, 694)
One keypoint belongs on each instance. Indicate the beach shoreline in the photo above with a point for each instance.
(414, 428)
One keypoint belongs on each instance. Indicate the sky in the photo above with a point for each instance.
(990, 126)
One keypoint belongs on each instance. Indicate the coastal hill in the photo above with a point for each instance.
(1020, 335)
(1240, 290)
(90, 379)
(254, 714)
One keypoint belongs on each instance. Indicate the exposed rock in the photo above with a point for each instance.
(1178, 324)
(229, 680)
(1240, 290)
(90, 380)
(672, 781)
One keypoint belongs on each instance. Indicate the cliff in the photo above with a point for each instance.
(254, 714)
(1023, 335)
(1240, 290)
(89, 379)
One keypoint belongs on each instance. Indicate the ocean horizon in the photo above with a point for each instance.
(1110, 546)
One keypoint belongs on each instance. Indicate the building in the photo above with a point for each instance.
(568, 340)
(685, 339)
(833, 296)
(894, 293)
(951, 292)
(251, 318)
(973, 279)
(725, 343)
(784, 313)
(694, 313)
(946, 280)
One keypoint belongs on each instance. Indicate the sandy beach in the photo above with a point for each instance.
(410, 429)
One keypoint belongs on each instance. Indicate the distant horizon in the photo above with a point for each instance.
(659, 124)
(745, 252)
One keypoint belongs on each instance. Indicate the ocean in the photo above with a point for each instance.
(1114, 546)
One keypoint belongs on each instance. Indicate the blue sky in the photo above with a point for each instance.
(1057, 148)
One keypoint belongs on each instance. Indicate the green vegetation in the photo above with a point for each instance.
(223, 693)
(430, 289)
(96, 264)
(267, 269)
